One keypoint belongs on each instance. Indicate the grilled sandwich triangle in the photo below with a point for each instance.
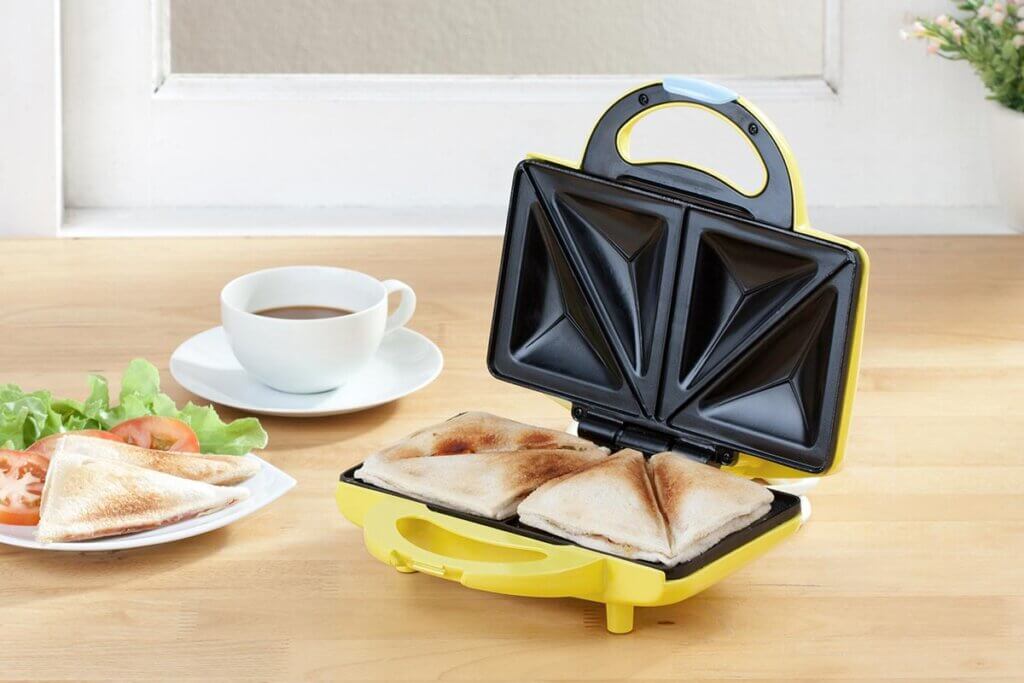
(610, 507)
(86, 497)
(476, 432)
(702, 504)
(668, 509)
(486, 484)
(223, 470)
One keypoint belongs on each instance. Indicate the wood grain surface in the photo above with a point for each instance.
(911, 567)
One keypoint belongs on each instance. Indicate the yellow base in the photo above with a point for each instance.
(412, 538)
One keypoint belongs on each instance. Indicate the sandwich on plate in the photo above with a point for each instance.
(223, 470)
(668, 509)
(478, 463)
(78, 470)
(87, 497)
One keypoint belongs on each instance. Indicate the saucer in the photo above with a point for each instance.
(406, 362)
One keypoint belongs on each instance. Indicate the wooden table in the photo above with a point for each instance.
(911, 567)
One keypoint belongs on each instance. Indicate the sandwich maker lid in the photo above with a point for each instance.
(672, 310)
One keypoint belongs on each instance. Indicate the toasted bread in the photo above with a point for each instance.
(486, 484)
(669, 509)
(610, 507)
(222, 470)
(87, 497)
(477, 432)
(703, 504)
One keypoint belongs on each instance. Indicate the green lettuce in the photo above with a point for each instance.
(26, 417)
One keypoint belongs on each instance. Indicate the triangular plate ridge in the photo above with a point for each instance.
(743, 285)
(778, 388)
(555, 330)
(624, 253)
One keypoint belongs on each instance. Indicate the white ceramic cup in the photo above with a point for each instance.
(314, 355)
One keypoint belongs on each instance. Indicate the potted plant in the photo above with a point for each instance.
(989, 34)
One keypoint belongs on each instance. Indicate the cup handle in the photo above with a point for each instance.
(406, 307)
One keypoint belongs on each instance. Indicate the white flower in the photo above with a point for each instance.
(942, 20)
(933, 47)
(916, 30)
(958, 34)
(998, 18)
(984, 11)
(998, 7)
(1018, 41)
(1020, 25)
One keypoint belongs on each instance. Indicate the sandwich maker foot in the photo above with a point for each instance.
(619, 618)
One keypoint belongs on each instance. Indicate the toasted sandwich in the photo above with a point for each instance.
(668, 509)
(477, 432)
(703, 504)
(87, 497)
(611, 507)
(486, 484)
(222, 470)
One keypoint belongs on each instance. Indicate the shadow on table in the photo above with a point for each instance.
(60, 572)
(293, 433)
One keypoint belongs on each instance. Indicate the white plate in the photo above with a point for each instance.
(406, 362)
(267, 486)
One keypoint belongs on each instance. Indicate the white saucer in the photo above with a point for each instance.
(268, 485)
(406, 362)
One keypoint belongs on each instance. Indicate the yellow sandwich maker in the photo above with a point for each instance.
(674, 312)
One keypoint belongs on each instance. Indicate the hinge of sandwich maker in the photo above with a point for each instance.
(616, 435)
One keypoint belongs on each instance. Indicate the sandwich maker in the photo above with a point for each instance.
(673, 312)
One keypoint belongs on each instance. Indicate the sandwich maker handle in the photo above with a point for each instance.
(411, 537)
(779, 203)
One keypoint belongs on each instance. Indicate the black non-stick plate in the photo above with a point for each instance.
(649, 308)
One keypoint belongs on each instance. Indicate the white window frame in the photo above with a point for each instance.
(31, 194)
(134, 150)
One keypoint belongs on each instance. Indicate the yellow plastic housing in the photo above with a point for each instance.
(412, 538)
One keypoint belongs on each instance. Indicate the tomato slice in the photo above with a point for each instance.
(22, 475)
(158, 433)
(48, 444)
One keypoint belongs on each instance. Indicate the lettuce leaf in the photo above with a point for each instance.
(26, 417)
(215, 436)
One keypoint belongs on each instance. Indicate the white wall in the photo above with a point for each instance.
(30, 149)
(905, 130)
(498, 36)
(903, 144)
(910, 129)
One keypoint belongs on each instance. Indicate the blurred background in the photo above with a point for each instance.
(408, 116)
(498, 37)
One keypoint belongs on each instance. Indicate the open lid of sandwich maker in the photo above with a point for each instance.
(671, 309)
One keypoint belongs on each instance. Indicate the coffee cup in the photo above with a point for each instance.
(308, 329)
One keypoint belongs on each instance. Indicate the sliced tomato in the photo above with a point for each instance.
(158, 433)
(48, 444)
(22, 475)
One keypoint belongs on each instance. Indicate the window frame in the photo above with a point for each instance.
(130, 134)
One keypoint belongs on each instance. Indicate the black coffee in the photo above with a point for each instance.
(303, 312)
